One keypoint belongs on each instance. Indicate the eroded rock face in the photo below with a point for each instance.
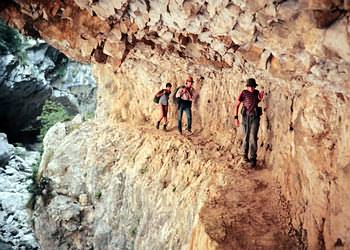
(302, 137)
(171, 194)
(76, 89)
(298, 52)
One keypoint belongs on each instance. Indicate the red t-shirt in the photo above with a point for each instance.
(250, 100)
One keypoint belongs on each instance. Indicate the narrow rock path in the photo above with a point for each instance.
(248, 210)
(248, 213)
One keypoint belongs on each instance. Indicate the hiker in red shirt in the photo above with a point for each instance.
(251, 113)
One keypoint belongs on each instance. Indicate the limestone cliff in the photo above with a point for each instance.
(120, 184)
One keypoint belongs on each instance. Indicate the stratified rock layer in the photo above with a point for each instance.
(299, 53)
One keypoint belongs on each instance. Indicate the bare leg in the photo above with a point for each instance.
(165, 114)
(161, 113)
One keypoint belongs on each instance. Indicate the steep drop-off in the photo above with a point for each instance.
(138, 189)
(118, 182)
(32, 72)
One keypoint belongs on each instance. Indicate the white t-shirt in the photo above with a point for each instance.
(164, 99)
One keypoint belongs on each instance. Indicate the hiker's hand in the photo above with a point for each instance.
(261, 95)
(236, 122)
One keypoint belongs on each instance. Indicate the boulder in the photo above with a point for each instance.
(6, 150)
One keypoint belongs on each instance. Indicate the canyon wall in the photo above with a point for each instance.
(32, 72)
(118, 182)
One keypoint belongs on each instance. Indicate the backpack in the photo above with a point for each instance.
(156, 98)
(176, 100)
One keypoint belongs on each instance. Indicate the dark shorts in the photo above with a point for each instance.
(164, 110)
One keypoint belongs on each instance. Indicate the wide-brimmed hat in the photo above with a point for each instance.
(251, 83)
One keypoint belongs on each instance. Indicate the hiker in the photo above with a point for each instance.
(163, 96)
(185, 98)
(251, 113)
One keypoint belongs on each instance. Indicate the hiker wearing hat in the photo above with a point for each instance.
(251, 113)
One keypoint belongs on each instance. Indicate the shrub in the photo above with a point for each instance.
(98, 195)
(10, 39)
(34, 186)
(38, 187)
(133, 231)
(52, 113)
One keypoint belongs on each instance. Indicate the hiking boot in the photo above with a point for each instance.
(252, 163)
(158, 123)
(164, 126)
(189, 132)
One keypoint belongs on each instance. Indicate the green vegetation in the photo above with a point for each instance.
(51, 114)
(133, 232)
(34, 187)
(98, 195)
(38, 186)
(12, 42)
(10, 39)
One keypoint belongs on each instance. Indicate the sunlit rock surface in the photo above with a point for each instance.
(115, 182)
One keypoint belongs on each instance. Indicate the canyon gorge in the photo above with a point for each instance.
(33, 76)
(115, 182)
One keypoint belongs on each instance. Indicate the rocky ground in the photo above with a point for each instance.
(16, 230)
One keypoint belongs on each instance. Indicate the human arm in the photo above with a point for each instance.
(160, 93)
(179, 93)
(261, 95)
(192, 94)
(236, 120)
